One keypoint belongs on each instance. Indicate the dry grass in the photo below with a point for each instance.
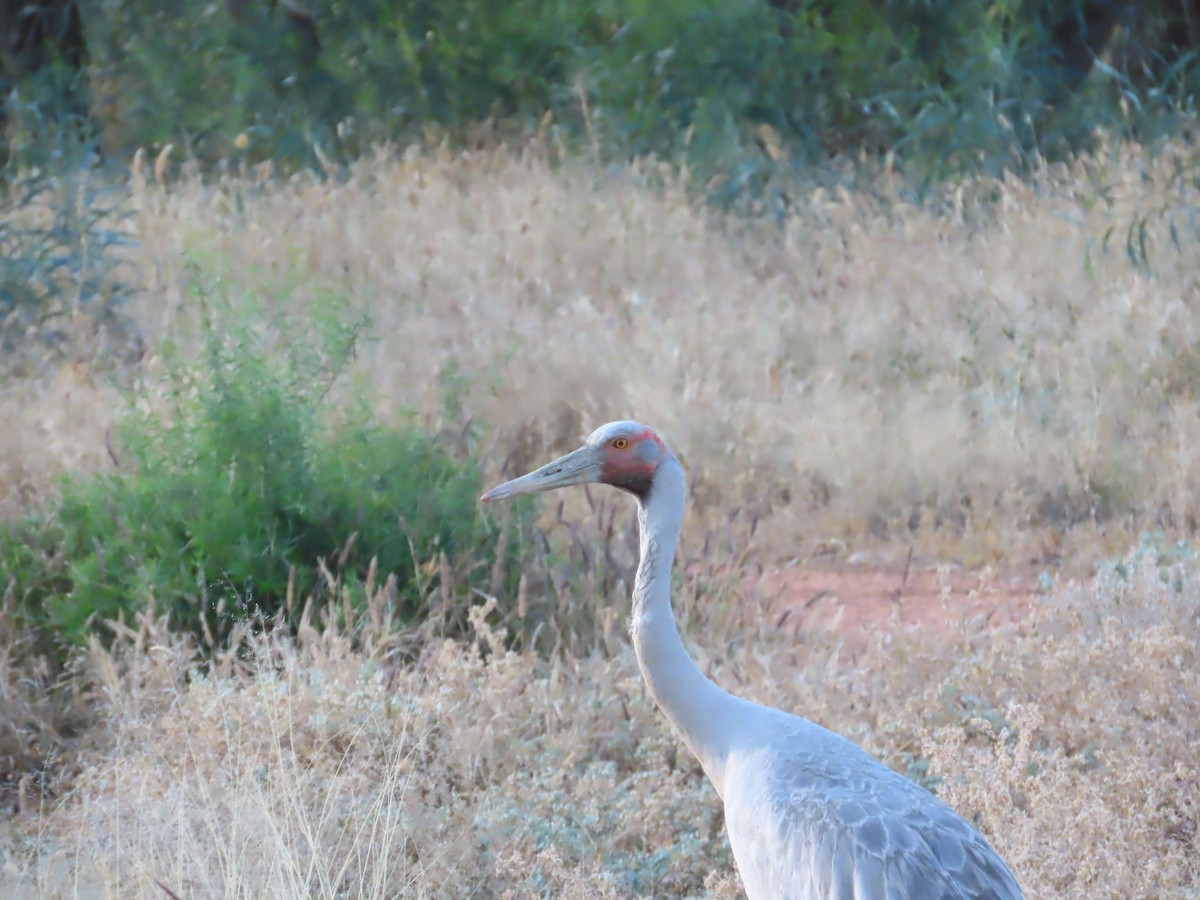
(309, 768)
(55, 422)
(867, 368)
(995, 385)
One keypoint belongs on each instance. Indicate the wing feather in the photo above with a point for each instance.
(829, 822)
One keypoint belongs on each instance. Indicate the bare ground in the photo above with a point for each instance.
(857, 596)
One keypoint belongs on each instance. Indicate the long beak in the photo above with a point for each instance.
(578, 467)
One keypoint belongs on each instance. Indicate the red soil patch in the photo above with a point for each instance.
(852, 597)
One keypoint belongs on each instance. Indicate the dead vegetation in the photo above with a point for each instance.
(987, 381)
(310, 767)
(869, 367)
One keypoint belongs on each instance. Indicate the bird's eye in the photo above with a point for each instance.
(621, 443)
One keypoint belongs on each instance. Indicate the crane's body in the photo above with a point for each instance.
(827, 820)
(810, 815)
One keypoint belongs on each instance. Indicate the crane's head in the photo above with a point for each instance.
(623, 454)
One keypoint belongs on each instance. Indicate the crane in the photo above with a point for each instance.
(810, 814)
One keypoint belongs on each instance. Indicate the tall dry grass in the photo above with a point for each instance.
(984, 379)
(867, 367)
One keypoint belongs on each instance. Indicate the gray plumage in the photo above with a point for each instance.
(811, 816)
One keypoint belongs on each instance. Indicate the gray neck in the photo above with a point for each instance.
(702, 713)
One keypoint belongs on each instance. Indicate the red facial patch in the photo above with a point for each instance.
(632, 467)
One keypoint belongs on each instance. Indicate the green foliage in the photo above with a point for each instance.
(237, 495)
(58, 231)
(948, 85)
(59, 221)
(255, 86)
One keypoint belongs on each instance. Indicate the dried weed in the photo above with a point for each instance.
(867, 368)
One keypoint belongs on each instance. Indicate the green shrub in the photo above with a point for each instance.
(949, 85)
(232, 497)
(58, 231)
(252, 86)
(60, 220)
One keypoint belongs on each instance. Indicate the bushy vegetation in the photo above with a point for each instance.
(60, 236)
(734, 87)
(238, 492)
